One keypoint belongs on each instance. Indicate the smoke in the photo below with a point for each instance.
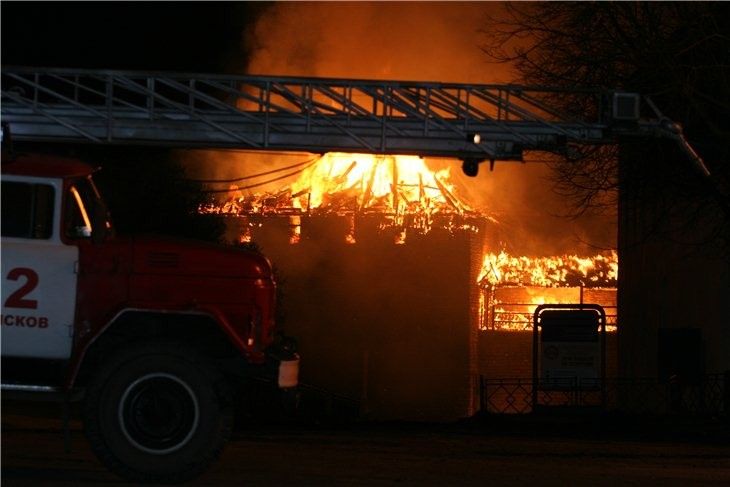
(421, 42)
(533, 219)
(416, 42)
(402, 41)
(366, 314)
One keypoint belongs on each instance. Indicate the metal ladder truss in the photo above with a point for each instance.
(301, 114)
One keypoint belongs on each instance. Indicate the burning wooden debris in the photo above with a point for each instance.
(600, 270)
(399, 189)
(511, 287)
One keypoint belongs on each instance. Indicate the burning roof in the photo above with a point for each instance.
(600, 270)
(400, 189)
(404, 195)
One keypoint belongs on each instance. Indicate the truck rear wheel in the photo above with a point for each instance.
(157, 413)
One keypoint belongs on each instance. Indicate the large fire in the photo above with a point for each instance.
(388, 184)
(401, 189)
(556, 271)
(511, 287)
(405, 195)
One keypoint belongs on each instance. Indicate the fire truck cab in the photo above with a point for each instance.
(152, 333)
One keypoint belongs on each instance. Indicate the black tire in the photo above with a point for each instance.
(158, 413)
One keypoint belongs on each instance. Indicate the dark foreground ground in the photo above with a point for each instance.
(516, 451)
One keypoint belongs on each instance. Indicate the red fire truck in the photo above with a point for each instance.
(152, 333)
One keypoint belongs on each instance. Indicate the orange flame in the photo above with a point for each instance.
(511, 308)
(541, 280)
(402, 189)
(557, 271)
(389, 183)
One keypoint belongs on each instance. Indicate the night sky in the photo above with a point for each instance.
(166, 36)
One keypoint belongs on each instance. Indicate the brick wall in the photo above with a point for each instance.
(392, 326)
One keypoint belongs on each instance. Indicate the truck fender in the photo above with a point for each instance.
(214, 315)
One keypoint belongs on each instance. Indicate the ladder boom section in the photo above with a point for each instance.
(304, 114)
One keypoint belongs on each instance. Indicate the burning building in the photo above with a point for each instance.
(392, 285)
(511, 288)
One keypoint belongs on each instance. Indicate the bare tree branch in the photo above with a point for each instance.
(677, 52)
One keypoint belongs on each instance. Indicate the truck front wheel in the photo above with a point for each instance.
(157, 413)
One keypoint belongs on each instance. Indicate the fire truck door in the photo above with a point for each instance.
(38, 271)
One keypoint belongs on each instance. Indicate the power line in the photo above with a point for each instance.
(253, 176)
(262, 183)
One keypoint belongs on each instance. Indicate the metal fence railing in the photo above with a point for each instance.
(518, 317)
(708, 397)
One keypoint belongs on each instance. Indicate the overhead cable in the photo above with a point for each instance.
(262, 183)
(253, 176)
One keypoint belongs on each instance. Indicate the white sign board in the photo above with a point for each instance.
(570, 351)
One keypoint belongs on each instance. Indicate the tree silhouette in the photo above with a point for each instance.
(674, 222)
(677, 53)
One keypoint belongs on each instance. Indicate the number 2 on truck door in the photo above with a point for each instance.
(38, 271)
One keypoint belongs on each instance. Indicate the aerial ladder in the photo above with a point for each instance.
(471, 122)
